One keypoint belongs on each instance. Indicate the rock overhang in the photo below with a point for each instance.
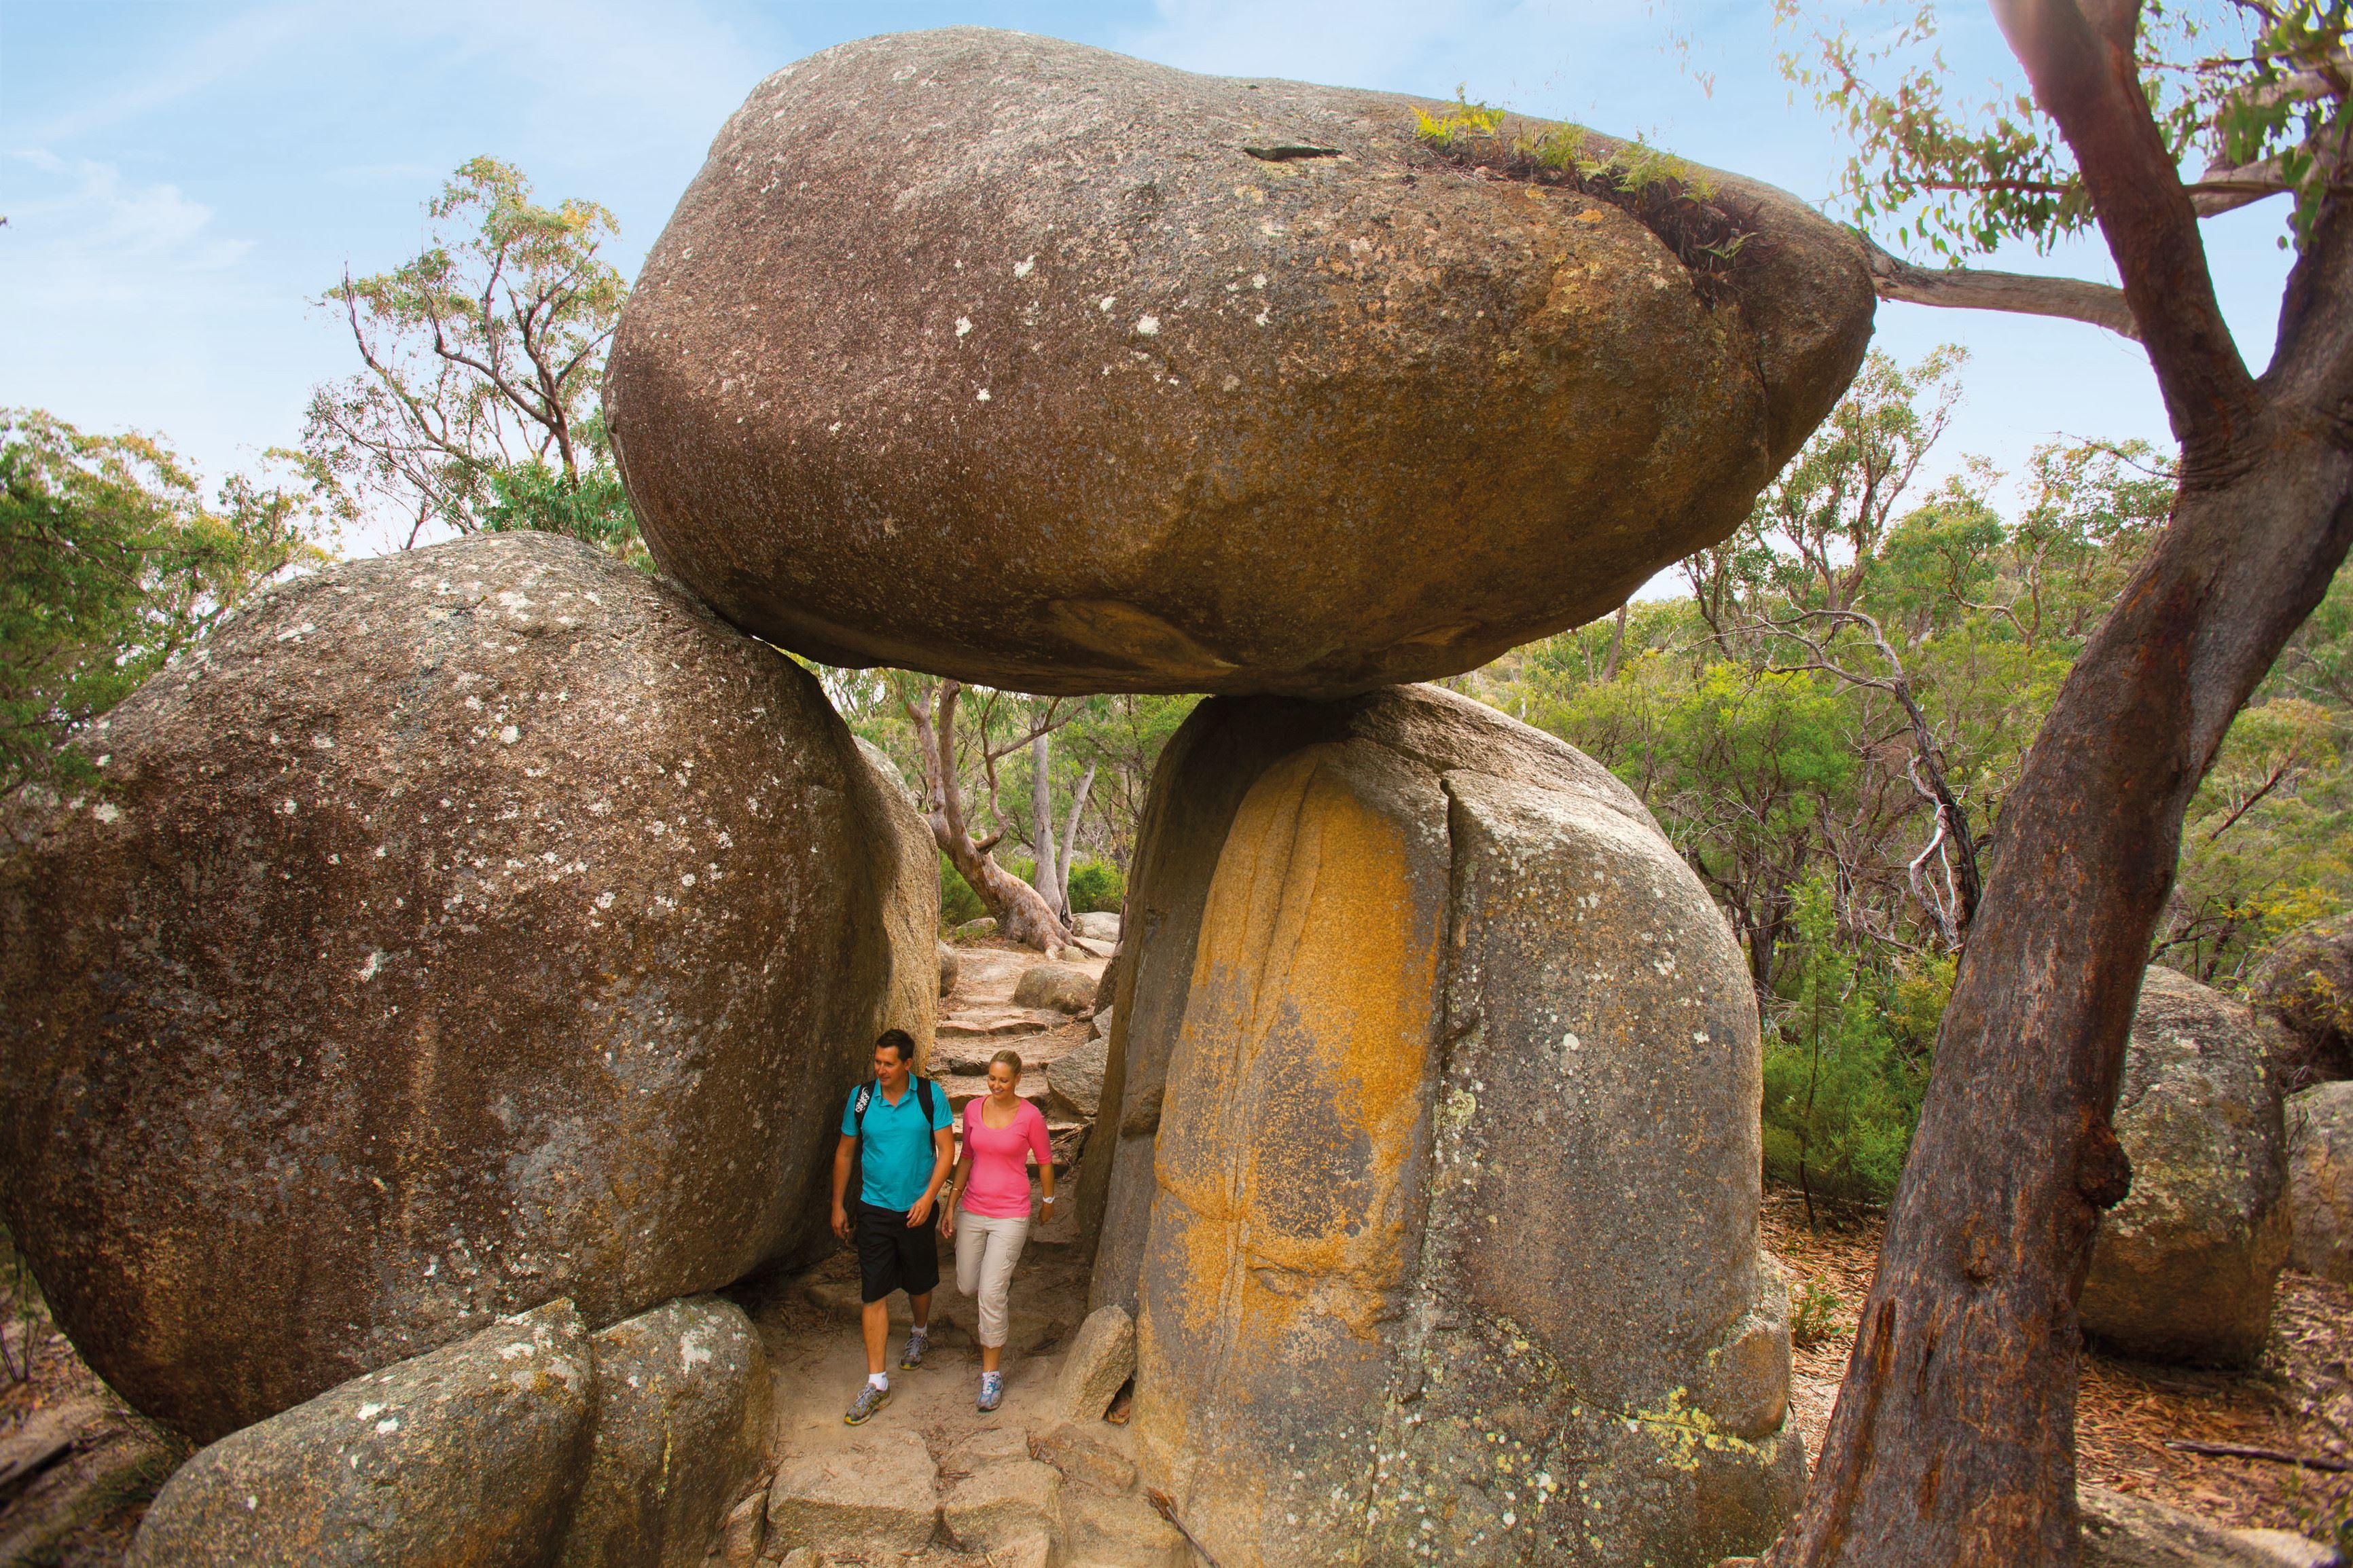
(1035, 365)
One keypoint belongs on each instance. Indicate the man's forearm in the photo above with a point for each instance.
(841, 1173)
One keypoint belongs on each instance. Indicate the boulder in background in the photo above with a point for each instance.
(2320, 1180)
(2183, 1269)
(2306, 980)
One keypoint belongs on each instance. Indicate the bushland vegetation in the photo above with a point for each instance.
(1828, 720)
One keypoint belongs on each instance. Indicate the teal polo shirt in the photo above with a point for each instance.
(894, 1156)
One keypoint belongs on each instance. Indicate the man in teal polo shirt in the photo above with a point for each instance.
(897, 1130)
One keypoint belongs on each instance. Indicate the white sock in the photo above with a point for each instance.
(881, 1380)
(923, 1330)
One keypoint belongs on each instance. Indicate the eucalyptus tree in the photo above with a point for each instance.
(476, 405)
(110, 561)
(1953, 1439)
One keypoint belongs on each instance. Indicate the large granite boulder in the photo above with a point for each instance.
(901, 925)
(469, 1457)
(2306, 982)
(2183, 1269)
(683, 1398)
(2320, 1180)
(1018, 360)
(1452, 1246)
(455, 931)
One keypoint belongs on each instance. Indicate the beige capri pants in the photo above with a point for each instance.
(986, 1249)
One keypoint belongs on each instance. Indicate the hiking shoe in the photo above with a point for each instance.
(870, 1400)
(992, 1390)
(917, 1343)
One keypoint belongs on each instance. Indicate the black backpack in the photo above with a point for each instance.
(855, 1192)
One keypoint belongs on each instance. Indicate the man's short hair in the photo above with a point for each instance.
(898, 1040)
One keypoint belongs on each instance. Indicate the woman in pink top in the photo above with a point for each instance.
(989, 1216)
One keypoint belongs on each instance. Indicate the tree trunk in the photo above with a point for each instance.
(1617, 643)
(1954, 1437)
(1048, 880)
(1021, 915)
(1071, 837)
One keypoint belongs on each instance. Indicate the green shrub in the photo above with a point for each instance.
(958, 902)
(1814, 1314)
(1094, 885)
(1841, 1093)
(1097, 885)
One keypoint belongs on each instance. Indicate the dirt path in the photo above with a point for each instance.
(2300, 1400)
(77, 1466)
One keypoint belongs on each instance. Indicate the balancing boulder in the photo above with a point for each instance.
(1449, 1221)
(1036, 365)
(453, 932)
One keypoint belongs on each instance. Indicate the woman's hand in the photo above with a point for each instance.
(947, 1221)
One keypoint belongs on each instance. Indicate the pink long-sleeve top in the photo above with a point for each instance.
(998, 1186)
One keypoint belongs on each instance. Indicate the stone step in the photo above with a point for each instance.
(965, 1087)
(879, 1490)
(1106, 1530)
(998, 1022)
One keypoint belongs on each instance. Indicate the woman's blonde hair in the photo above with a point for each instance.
(1008, 1057)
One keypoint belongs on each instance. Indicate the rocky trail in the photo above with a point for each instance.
(931, 1479)
(77, 1466)
(989, 1009)
(77, 1506)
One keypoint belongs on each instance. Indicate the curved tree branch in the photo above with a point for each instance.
(2019, 293)
(2080, 55)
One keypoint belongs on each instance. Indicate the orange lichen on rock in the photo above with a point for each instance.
(1450, 1246)
(1315, 997)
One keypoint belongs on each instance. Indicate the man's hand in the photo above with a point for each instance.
(921, 1213)
(842, 1222)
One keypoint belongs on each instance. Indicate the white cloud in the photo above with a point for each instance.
(79, 232)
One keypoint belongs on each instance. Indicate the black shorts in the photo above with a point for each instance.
(893, 1255)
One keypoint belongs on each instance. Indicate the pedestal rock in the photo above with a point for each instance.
(1040, 366)
(1447, 1075)
(452, 931)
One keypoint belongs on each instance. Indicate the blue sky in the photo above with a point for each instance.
(183, 179)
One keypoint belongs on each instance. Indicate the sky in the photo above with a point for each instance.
(182, 180)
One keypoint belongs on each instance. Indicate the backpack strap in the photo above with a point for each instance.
(867, 1091)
